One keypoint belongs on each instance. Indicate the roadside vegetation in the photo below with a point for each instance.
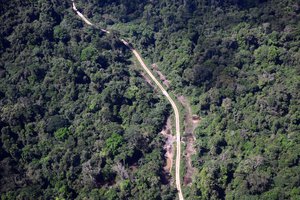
(77, 121)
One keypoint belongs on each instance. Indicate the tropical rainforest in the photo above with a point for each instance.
(79, 121)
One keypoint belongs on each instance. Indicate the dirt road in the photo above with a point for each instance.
(177, 118)
(165, 93)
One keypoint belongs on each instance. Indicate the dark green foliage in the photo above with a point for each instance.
(55, 122)
(238, 61)
(73, 125)
(78, 122)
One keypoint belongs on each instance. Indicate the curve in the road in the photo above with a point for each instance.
(177, 117)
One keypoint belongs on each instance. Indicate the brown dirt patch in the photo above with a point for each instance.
(164, 79)
(190, 123)
(168, 146)
(147, 79)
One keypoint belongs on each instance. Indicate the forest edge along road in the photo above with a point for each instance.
(165, 93)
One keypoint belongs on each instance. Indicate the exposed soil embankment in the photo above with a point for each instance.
(190, 123)
(164, 80)
(168, 146)
(148, 80)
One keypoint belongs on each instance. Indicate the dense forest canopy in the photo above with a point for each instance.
(78, 121)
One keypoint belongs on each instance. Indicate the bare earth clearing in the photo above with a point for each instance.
(190, 123)
(170, 139)
(164, 80)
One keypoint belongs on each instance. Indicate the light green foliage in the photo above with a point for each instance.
(266, 54)
(131, 92)
(124, 185)
(61, 133)
(113, 142)
(88, 53)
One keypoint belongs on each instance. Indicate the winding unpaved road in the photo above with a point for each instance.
(177, 117)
